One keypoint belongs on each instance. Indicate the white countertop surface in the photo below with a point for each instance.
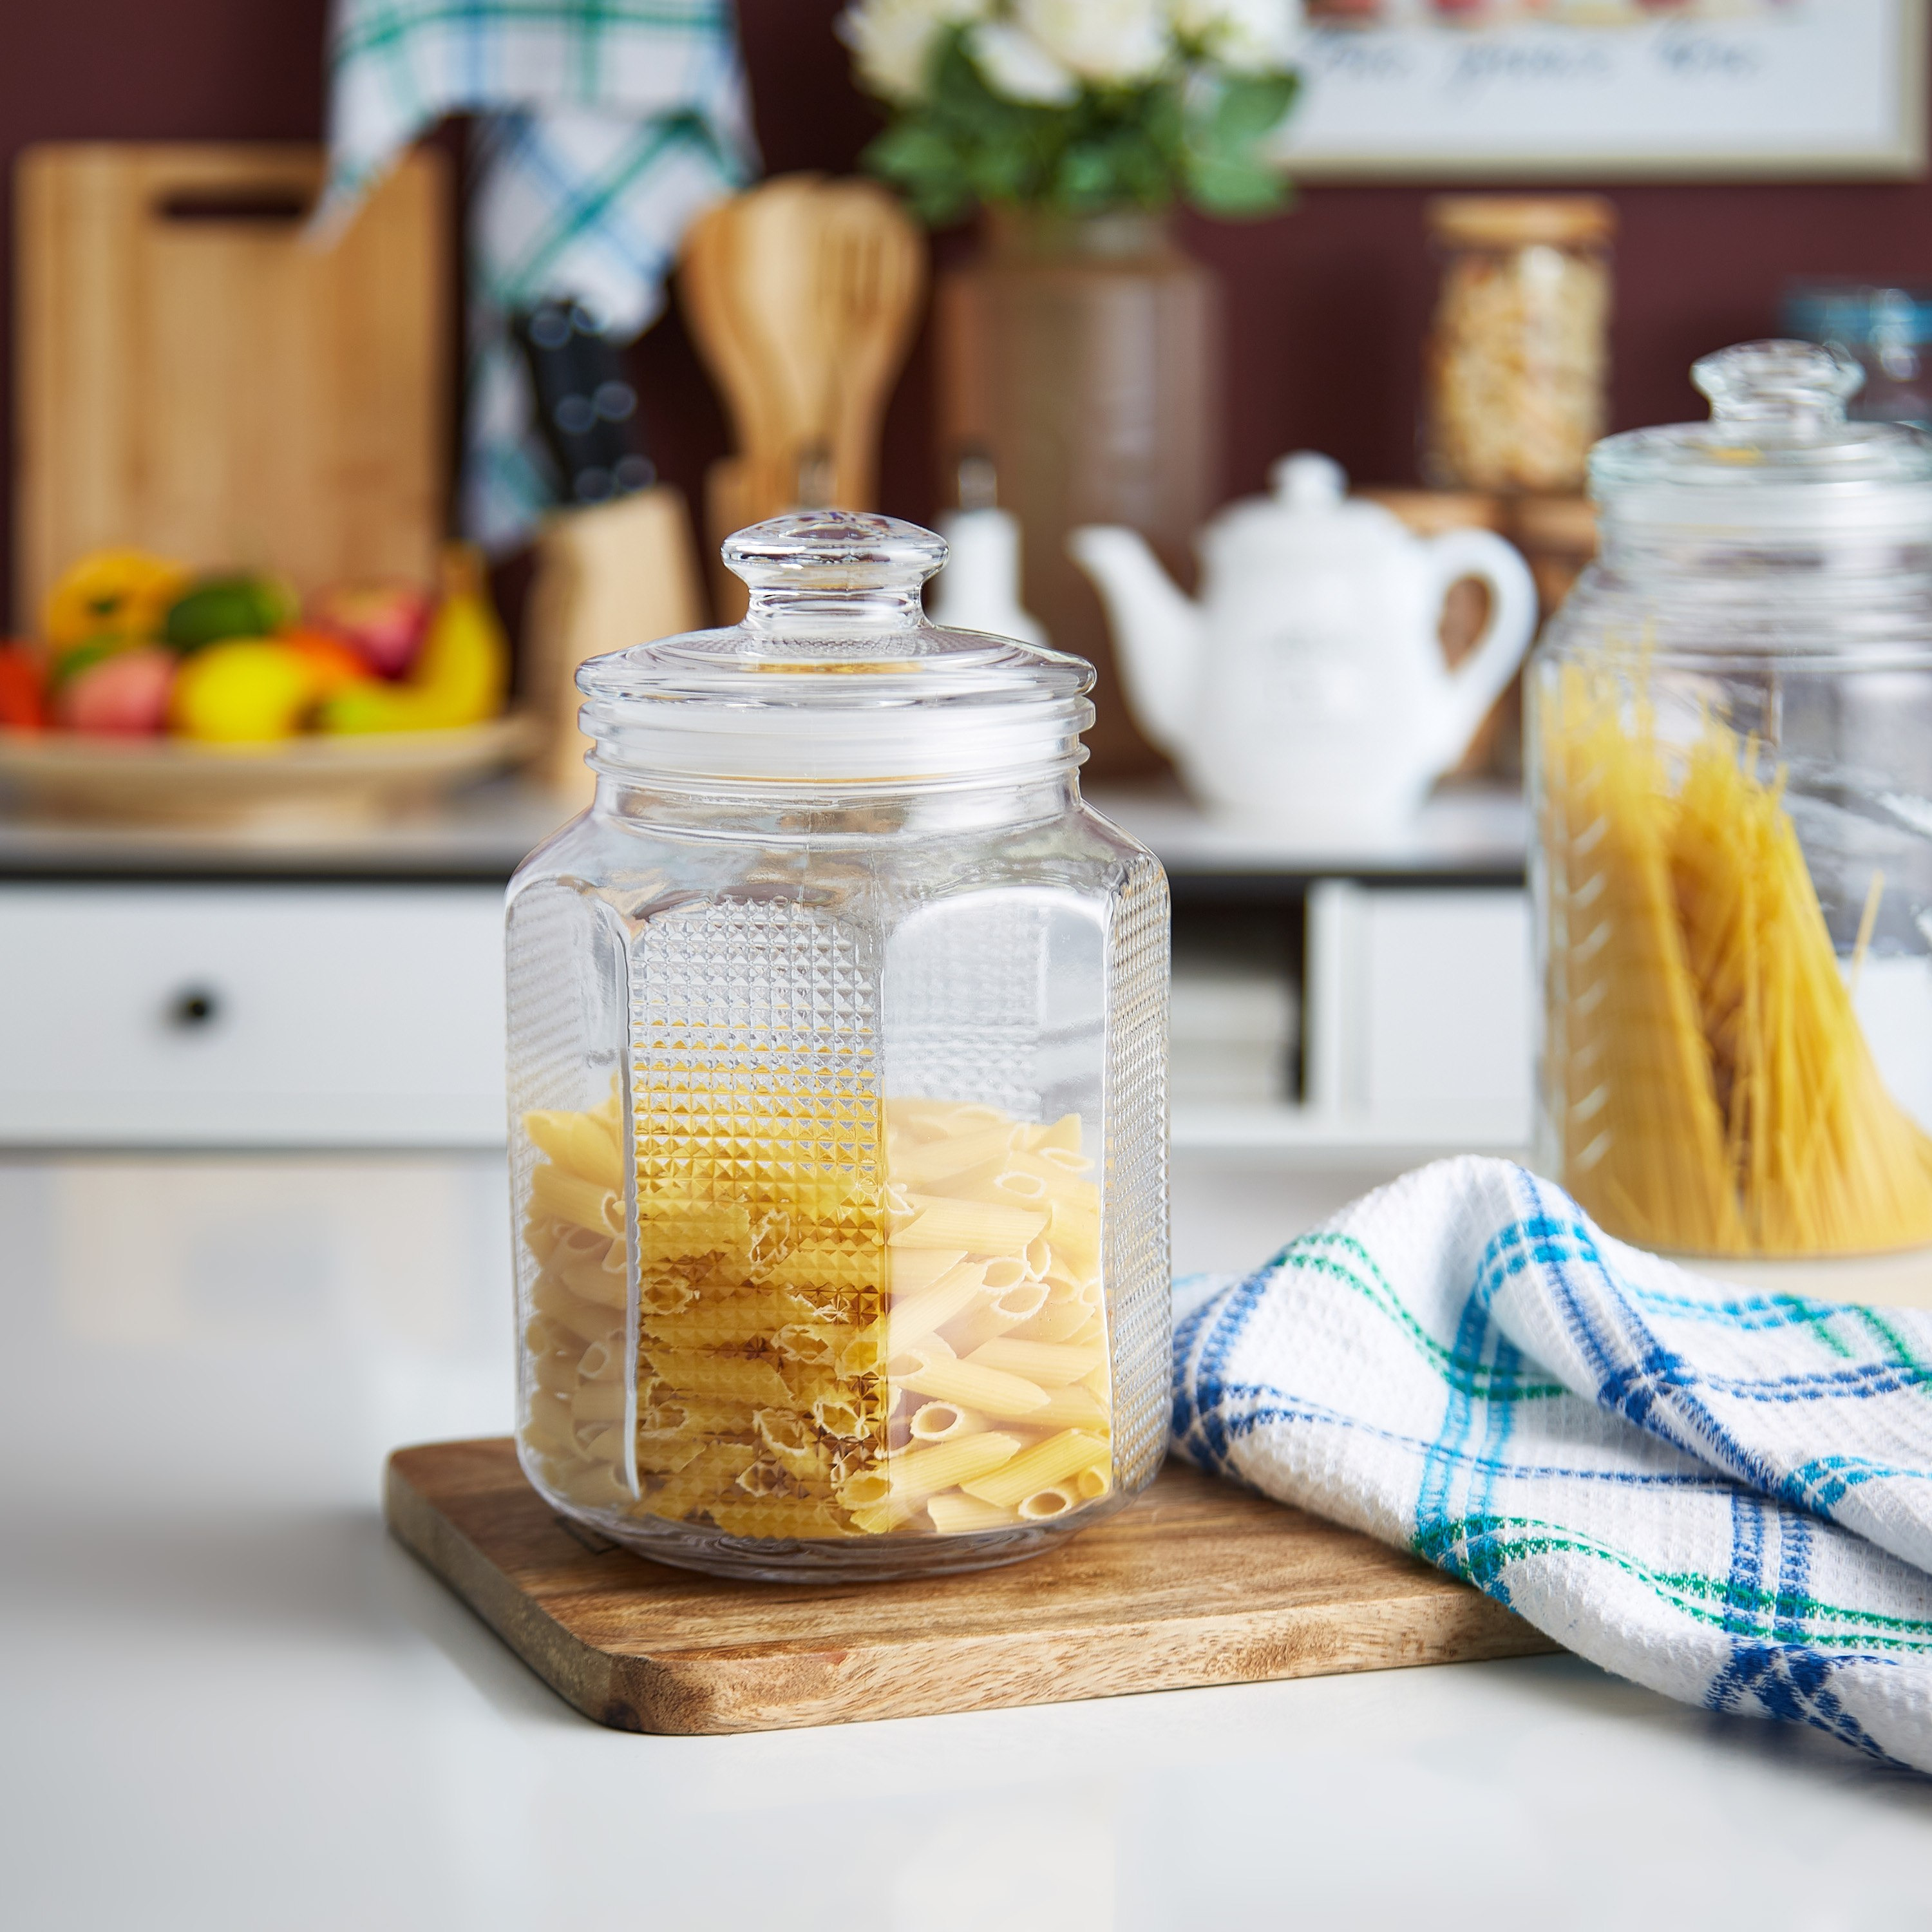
(1479, 828)
(228, 1701)
(482, 834)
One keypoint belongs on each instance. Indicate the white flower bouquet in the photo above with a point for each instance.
(1078, 106)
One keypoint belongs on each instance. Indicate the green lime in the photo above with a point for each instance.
(219, 607)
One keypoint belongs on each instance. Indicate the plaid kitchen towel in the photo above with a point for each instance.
(1726, 1496)
(609, 125)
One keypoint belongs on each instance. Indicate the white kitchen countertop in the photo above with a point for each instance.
(227, 1701)
(482, 833)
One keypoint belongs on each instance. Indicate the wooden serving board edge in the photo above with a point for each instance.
(579, 1672)
(757, 1687)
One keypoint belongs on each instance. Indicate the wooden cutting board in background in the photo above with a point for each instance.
(193, 377)
(1195, 1582)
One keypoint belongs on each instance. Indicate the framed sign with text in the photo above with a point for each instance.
(1605, 90)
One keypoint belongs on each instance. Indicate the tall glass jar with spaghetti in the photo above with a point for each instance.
(1731, 769)
(837, 1035)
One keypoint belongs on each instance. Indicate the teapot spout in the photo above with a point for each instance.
(1156, 629)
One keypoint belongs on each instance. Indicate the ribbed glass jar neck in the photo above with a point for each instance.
(1744, 564)
(1749, 620)
(826, 814)
(790, 611)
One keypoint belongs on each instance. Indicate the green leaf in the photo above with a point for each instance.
(913, 148)
(1235, 189)
(1003, 174)
(1138, 146)
(1251, 106)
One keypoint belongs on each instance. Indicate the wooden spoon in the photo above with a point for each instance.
(803, 294)
(874, 268)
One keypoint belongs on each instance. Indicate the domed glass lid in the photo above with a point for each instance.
(835, 673)
(1778, 454)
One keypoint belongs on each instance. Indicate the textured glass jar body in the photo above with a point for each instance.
(838, 1162)
(1731, 774)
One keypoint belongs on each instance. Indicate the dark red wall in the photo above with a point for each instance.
(1326, 305)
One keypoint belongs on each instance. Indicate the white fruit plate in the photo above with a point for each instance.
(173, 781)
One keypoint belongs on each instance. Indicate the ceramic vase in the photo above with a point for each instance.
(1082, 358)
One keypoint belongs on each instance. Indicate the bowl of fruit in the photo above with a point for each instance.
(154, 692)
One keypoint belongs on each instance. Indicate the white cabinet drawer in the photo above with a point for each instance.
(135, 1016)
(1420, 1011)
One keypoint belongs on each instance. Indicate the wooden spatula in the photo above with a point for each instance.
(801, 294)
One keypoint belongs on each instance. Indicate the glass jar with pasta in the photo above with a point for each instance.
(1518, 358)
(1731, 737)
(837, 1067)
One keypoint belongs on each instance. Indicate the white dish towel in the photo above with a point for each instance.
(1726, 1496)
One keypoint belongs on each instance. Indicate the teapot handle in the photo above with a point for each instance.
(1477, 682)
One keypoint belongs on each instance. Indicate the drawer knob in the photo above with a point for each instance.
(194, 1008)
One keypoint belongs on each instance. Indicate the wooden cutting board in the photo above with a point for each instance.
(1196, 1582)
(194, 376)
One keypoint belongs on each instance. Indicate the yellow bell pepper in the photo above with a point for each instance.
(121, 594)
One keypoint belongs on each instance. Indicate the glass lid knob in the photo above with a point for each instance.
(816, 572)
(1800, 383)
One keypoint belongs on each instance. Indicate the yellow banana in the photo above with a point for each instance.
(460, 674)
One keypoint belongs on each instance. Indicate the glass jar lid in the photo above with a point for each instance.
(1777, 459)
(835, 676)
(1521, 221)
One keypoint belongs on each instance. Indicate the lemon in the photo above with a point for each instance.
(246, 691)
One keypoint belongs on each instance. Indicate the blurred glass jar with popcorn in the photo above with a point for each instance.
(1518, 356)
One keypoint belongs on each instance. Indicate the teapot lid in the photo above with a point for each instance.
(1307, 480)
(1776, 457)
(1309, 507)
(834, 676)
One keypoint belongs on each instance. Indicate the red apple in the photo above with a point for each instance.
(384, 622)
(126, 693)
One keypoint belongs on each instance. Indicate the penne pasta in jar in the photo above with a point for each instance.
(838, 1157)
(802, 1405)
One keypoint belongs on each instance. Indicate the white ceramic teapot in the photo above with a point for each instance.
(1306, 687)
